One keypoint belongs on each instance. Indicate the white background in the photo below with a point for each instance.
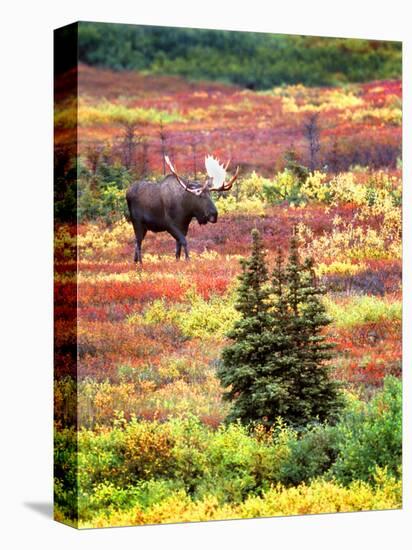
(26, 271)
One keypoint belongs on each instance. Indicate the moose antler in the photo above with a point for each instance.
(217, 172)
(197, 191)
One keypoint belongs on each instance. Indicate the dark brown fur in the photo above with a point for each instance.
(166, 206)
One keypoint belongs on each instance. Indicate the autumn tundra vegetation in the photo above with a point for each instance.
(262, 377)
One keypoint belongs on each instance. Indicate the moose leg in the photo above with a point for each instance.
(138, 252)
(181, 242)
(140, 233)
(186, 251)
(180, 238)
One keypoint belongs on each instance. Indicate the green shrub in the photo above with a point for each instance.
(190, 451)
(310, 455)
(142, 463)
(370, 435)
(108, 497)
(65, 471)
(240, 463)
(102, 195)
(286, 186)
(255, 60)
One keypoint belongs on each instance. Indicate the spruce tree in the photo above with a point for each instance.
(276, 363)
(244, 361)
(314, 395)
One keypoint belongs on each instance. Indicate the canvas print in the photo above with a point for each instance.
(227, 275)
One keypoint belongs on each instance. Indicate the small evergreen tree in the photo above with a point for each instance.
(294, 166)
(276, 363)
(313, 394)
(245, 359)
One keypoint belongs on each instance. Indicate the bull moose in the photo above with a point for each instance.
(172, 204)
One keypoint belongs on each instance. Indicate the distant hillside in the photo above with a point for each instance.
(252, 60)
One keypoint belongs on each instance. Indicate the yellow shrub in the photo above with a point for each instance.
(347, 242)
(106, 113)
(300, 99)
(160, 312)
(346, 190)
(363, 309)
(322, 497)
(319, 497)
(385, 114)
(253, 186)
(214, 317)
(246, 205)
(99, 238)
(315, 187)
(339, 267)
(196, 318)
